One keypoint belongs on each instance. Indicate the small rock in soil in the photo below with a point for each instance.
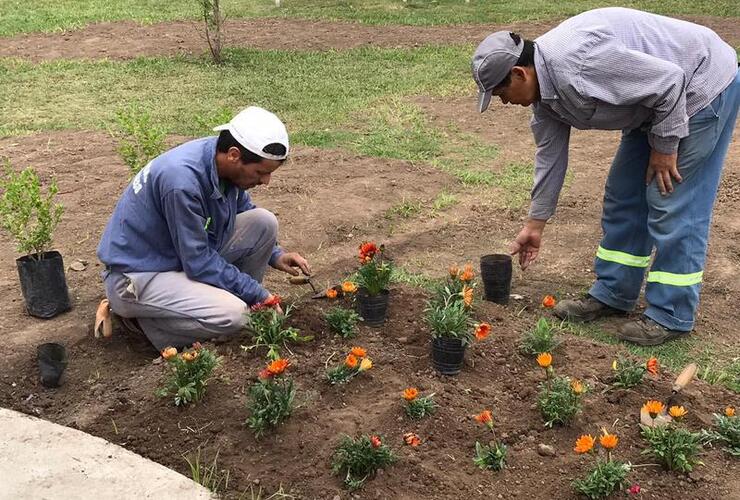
(546, 450)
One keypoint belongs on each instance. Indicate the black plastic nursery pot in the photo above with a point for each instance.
(448, 355)
(43, 284)
(495, 271)
(372, 308)
(52, 359)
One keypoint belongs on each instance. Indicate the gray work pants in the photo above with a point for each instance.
(174, 310)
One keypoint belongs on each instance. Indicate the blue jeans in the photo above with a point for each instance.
(637, 218)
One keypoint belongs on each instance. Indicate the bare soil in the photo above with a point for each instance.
(128, 40)
(327, 203)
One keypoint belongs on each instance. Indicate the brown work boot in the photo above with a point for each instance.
(645, 331)
(585, 309)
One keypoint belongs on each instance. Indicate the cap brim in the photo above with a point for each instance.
(484, 99)
(225, 126)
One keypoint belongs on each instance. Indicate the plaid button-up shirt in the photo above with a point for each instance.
(617, 68)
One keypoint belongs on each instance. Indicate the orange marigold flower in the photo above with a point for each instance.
(351, 361)
(467, 273)
(467, 294)
(482, 331)
(608, 441)
(359, 352)
(411, 439)
(375, 441)
(410, 393)
(677, 412)
(349, 287)
(365, 364)
(189, 356)
(368, 250)
(653, 408)
(548, 301)
(169, 353)
(272, 300)
(544, 359)
(278, 366)
(332, 293)
(484, 417)
(729, 411)
(652, 366)
(584, 444)
(454, 270)
(577, 387)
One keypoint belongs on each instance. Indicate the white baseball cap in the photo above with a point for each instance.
(254, 128)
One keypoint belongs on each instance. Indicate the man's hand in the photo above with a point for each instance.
(289, 261)
(662, 167)
(527, 242)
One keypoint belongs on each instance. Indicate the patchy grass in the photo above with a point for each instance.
(405, 209)
(402, 275)
(57, 15)
(443, 201)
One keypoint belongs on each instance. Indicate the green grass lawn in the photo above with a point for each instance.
(53, 15)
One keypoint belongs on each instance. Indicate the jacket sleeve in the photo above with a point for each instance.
(622, 77)
(244, 203)
(186, 223)
(552, 138)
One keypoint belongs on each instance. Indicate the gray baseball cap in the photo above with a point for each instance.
(492, 61)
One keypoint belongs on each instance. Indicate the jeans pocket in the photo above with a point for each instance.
(716, 105)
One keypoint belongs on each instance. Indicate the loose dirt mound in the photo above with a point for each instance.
(128, 40)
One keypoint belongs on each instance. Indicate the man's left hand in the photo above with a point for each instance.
(661, 168)
(289, 261)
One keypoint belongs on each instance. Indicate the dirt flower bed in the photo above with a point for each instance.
(110, 389)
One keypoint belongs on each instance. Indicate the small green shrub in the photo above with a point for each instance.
(342, 321)
(268, 329)
(189, 373)
(541, 338)
(490, 456)
(419, 407)
(139, 140)
(727, 432)
(353, 365)
(558, 401)
(675, 447)
(29, 215)
(271, 398)
(358, 459)
(450, 319)
(603, 480)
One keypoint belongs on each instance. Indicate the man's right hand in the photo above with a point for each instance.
(527, 242)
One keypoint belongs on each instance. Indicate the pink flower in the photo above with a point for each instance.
(634, 489)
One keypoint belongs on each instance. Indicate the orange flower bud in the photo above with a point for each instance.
(410, 393)
(548, 302)
(544, 359)
(332, 293)
(169, 353)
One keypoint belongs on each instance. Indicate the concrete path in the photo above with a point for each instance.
(43, 460)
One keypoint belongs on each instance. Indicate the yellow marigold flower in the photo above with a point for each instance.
(653, 408)
(365, 364)
(189, 356)
(544, 359)
(351, 361)
(331, 293)
(584, 444)
(677, 412)
(410, 393)
(359, 352)
(577, 387)
(169, 353)
(729, 411)
(615, 365)
(467, 294)
(467, 273)
(454, 270)
(349, 287)
(608, 441)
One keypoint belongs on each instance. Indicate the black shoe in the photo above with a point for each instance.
(585, 309)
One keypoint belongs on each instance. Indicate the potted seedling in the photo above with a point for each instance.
(31, 216)
(373, 278)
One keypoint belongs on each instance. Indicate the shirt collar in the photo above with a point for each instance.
(547, 89)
